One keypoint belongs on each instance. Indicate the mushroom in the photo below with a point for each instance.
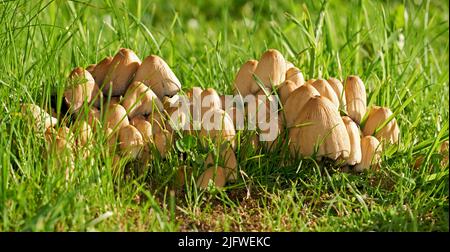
(60, 148)
(131, 142)
(295, 75)
(156, 74)
(140, 100)
(163, 142)
(285, 89)
(210, 99)
(326, 91)
(83, 133)
(218, 125)
(116, 117)
(120, 72)
(145, 128)
(41, 120)
(355, 141)
(226, 160)
(338, 89)
(271, 70)
(296, 101)
(320, 130)
(216, 174)
(100, 71)
(112, 100)
(376, 117)
(371, 152)
(243, 83)
(355, 97)
(82, 89)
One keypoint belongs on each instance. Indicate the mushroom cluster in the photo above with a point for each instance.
(138, 105)
(324, 118)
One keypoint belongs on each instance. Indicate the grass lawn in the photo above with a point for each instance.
(400, 49)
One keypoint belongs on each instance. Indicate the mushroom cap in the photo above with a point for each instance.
(163, 142)
(320, 125)
(355, 141)
(59, 140)
(83, 132)
(140, 100)
(295, 75)
(144, 127)
(296, 101)
(100, 70)
(271, 70)
(210, 99)
(120, 72)
(355, 97)
(41, 120)
(116, 117)
(376, 117)
(216, 174)
(244, 78)
(131, 142)
(338, 89)
(218, 125)
(226, 160)
(285, 89)
(81, 89)
(371, 153)
(156, 74)
(326, 91)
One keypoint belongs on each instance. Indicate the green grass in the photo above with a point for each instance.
(205, 44)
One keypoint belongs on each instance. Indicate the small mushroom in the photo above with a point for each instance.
(116, 117)
(227, 160)
(131, 142)
(355, 97)
(210, 99)
(82, 89)
(163, 142)
(101, 70)
(156, 74)
(215, 174)
(60, 148)
(140, 100)
(371, 153)
(320, 130)
(376, 117)
(41, 120)
(355, 141)
(326, 91)
(271, 70)
(295, 75)
(218, 125)
(285, 89)
(83, 133)
(296, 101)
(144, 127)
(120, 72)
(244, 78)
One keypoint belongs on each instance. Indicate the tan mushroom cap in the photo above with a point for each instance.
(81, 90)
(376, 117)
(244, 81)
(120, 72)
(144, 127)
(41, 120)
(271, 70)
(140, 100)
(156, 74)
(83, 133)
(371, 153)
(355, 141)
(285, 89)
(210, 99)
(326, 91)
(295, 75)
(320, 126)
(218, 125)
(355, 97)
(101, 70)
(116, 117)
(214, 174)
(296, 101)
(338, 89)
(163, 142)
(131, 142)
(226, 160)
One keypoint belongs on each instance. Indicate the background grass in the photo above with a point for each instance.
(399, 49)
